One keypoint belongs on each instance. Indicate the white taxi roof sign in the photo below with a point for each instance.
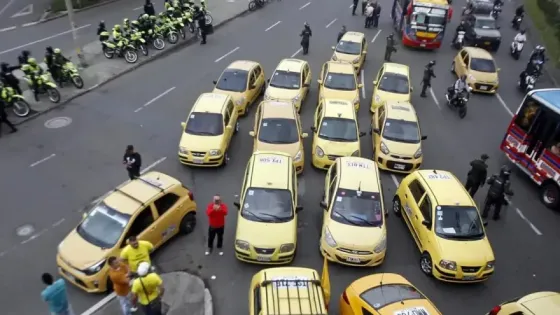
(270, 159)
(399, 107)
(358, 164)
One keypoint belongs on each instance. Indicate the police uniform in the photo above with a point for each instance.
(477, 175)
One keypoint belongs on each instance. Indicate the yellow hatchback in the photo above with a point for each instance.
(397, 141)
(479, 67)
(266, 230)
(338, 80)
(351, 48)
(539, 303)
(278, 128)
(208, 130)
(391, 84)
(354, 231)
(244, 81)
(335, 132)
(289, 82)
(445, 224)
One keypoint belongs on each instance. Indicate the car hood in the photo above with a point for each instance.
(201, 143)
(466, 253)
(389, 96)
(79, 253)
(290, 148)
(281, 94)
(487, 33)
(337, 148)
(401, 148)
(346, 57)
(339, 94)
(355, 237)
(267, 235)
(484, 76)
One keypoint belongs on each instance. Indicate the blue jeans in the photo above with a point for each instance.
(124, 302)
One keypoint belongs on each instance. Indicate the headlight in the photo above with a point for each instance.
(490, 265)
(297, 158)
(377, 99)
(95, 268)
(286, 248)
(242, 245)
(382, 245)
(215, 152)
(329, 239)
(384, 148)
(183, 150)
(319, 152)
(240, 101)
(448, 264)
(334, 57)
(356, 60)
(418, 153)
(295, 99)
(356, 153)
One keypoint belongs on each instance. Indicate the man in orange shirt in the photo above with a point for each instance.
(121, 284)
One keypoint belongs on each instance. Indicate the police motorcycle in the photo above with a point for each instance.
(166, 27)
(120, 47)
(460, 41)
(137, 40)
(204, 9)
(496, 10)
(147, 30)
(69, 73)
(516, 48)
(39, 81)
(516, 23)
(256, 4)
(527, 81)
(459, 102)
(19, 105)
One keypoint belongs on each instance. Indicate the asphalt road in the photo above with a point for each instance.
(14, 13)
(86, 163)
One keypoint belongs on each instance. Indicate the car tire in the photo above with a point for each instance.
(546, 191)
(426, 264)
(109, 286)
(188, 223)
(226, 159)
(397, 207)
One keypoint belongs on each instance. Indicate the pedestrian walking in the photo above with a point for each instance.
(4, 118)
(340, 34)
(305, 37)
(136, 252)
(148, 289)
(133, 162)
(390, 48)
(55, 295)
(369, 15)
(364, 6)
(216, 212)
(477, 174)
(427, 78)
(354, 7)
(119, 275)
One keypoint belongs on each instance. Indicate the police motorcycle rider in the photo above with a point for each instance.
(50, 62)
(499, 186)
(519, 13)
(118, 37)
(32, 70)
(149, 8)
(458, 89)
(8, 78)
(517, 44)
(59, 61)
(537, 60)
(497, 8)
(460, 28)
(103, 33)
(24, 57)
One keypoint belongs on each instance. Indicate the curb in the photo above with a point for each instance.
(151, 58)
(46, 18)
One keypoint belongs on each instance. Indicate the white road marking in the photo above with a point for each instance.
(229, 53)
(136, 9)
(6, 6)
(42, 160)
(375, 37)
(273, 25)
(363, 85)
(303, 6)
(92, 310)
(351, 6)
(504, 105)
(159, 96)
(5, 29)
(34, 236)
(330, 23)
(395, 180)
(30, 24)
(42, 40)
(25, 11)
(297, 52)
(59, 222)
(537, 231)
(435, 98)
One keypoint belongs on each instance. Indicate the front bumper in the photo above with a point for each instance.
(91, 284)
(488, 88)
(265, 256)
(397, 164)
(459, 276)
(346, 256)
(202, 161)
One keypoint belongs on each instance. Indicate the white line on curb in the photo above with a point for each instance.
(30, 24)
(136, 9)
(43, 160)
(395, 180)
(92, 310)
(229, 53)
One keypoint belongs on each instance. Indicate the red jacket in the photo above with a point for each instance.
(216, 218)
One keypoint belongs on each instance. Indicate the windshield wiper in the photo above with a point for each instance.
(273, 216)
(364, 221)
(345, 218)
(202, 133)
(336, 138)
(254, 215)
(284, 141)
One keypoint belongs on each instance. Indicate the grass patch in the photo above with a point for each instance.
(548, 33)
(60, 5)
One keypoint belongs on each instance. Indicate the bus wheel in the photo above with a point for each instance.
(550, 195)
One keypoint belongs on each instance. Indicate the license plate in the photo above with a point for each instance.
(486, 43)
(198, 161)
(483, 87)
(263, 258)
(469, 277)
(422, 45)
(352, 260)
(399, 166)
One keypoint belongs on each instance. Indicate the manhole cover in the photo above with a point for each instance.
(58, 122)
(25, 230)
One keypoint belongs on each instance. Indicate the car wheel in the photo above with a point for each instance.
(188, 223)
(109, 286)
(550, 195)
(236, 130)
(397, 207)
(426, 264)
(226, 159)
(452, 67)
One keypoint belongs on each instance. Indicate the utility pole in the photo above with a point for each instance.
(70, 10)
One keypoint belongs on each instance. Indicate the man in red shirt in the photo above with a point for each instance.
(216, 212)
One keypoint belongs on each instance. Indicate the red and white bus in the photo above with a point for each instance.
(532, 142)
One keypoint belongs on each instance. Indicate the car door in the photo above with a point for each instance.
(322, 77)
(258, 116)
(379, 122)
(329, 179)
(169, 215)
(144, 226)
(251, 86)
(426, 208)
(259, 77)
(228, 122)
(413, 196)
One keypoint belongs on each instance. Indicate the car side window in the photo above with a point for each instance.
(258, 119)
(463, 54)
(381, 116)
(257, 300)
(294, 185)
(165, 202)
(332, 189)
(380, 74)
(230, 108)
(142, 221)
(258, 71)
(426, 208)
(416, 190)
(319, 115)
(467, 60)
(252, 79)
(227, 116)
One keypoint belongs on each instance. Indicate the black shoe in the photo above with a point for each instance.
(14, 130)
(484, 216)
(423, 95)
(203, 43)
(496, 218)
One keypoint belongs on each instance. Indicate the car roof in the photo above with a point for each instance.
(374, 280)
(339, 108)
(245, 65)
(541, 303)
(358, 173)
(340, 67)
(129, 197)
(448, 191)
(400, 110)
(353, 37)
(210, 103)
(270, 170)
(291, 65)
(277, 109)
(396, 68)
(478, 53)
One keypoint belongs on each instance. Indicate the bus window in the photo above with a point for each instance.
(527, 114)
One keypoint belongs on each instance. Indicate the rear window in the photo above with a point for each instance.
(388, 294)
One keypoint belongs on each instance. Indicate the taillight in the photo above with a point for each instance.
(345, 297)
(495, 310)
(191, 195)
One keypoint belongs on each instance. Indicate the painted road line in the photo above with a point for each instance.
(305, 5)
(363, 85)
(6, 6)
(331, 23)
(375, 37)
(5, 29)
(434, 98)
(229, 53)
(395, 180)
(158, 97)
(504, 105)
(537, 231)
(42, 40)
(43, 160)
(136, 9)
(273, 25)
(297, 52)
(30, 24)
(92, 310)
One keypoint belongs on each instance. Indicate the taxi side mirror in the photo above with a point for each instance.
(184, 125)
(313, 129)
(333, 48)
(360, 86)
(299, 208)
(228, 127)
(323, 205)
(268, 81)
(362, 134)
(375, 130)
(364, 52)
(485, 223)
(215, 82)
(320, 81)
(411, 89)
(424, 137)
(426, 223)
(375, 82)
(306, 85)
(252, 133)
(237, 204)
(304, 135)
(499, 69)
(84, 215)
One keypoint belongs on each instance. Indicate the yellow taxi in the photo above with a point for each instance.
(335, 132)
(539, 303)
(244, 81)
(268, 210)
(338, 80)
(479, 67)
(397, 141)
(391, 84)
(208, 130)
(153, 207)
(278, 128)
(385, 294)
(290, 81)
(351, 48)
(445, 224)
(287, 290)
(354, 231)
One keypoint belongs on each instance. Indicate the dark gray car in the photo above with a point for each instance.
(482, 31)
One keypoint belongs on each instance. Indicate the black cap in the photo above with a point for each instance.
(129, 147)
(484, 156)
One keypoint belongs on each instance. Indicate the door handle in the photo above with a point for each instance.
(406, 195)
(416, 216)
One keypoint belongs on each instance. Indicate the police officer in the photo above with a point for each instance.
(200, 17)
(499, 187)
(25, 55)
(427, 78)
(8, 78)
(149, 8)
(376, 13)
(49, 61)
(4, 118)
(341, 33)
(390, 48)
(305, 36)
(477, 175)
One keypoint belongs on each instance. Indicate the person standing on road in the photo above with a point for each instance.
(133, 162)
(4, 118)
(55, 295)
(364, 6)
(390, 48)
(200, 17)
(477, 175)
(120, 279)
(341, 33)
(149, 8)
(136, 252)
(376, 13)
(148, 289)
(369, 15)
(305, 37)
(499, 187)
(354, 7)
(427, 78)
(216, 212)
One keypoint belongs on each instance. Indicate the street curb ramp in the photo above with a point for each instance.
(150, 58)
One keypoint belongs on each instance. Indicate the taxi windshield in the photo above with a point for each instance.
(267, 205)
(205, 124)
(233, 80)
(340, 81)
(462, 222)
(278, 130)
(103, 226)
(401, 131)
(338, 129)
(359, 208)
(394, 83)
(285, 80)
(483, 65)
(350, 48)
(387, 294)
